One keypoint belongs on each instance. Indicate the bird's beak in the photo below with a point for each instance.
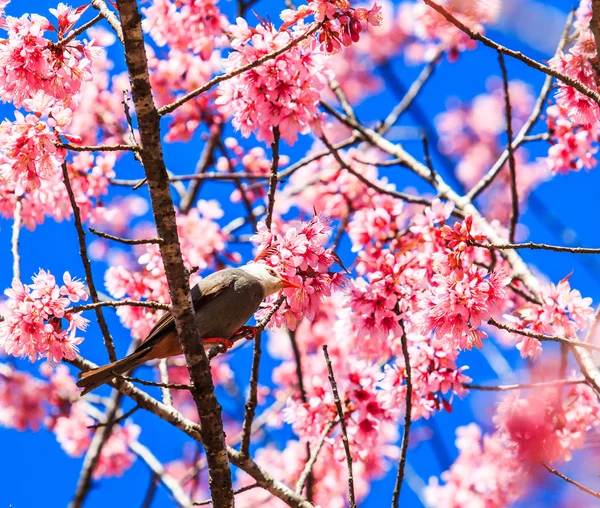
(289, 284)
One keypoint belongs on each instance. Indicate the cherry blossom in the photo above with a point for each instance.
(32, 326)
(30, 63)
(283, 92)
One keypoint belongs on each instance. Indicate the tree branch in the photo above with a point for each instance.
(273, 178)
(182, 310)
(340, 410)
(569, 480)
(108, 342)
(514, 215)
(16, 232)
(92, 456)
(407, 420)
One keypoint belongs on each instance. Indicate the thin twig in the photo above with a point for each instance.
(251, 402)
(251, 216)
(545, 338)
(204, 162)
(124, 416)
(119, 303)
(273, 179)
(172, 386)
(163, 370)
(307, 471)
(237, 491)
(92, 456)
(108, 342)
(98, 148)
(74, 33)
(250, 407)
(16, 232)
(570, 480)
(523, 386)
(537, 246)
(240, 70)
(407, 420)
(126, 241)
(109, 15)
(390, 192)
(340, 410)
(514, 215)
(309, 476)
(151, 491)
(412, 93)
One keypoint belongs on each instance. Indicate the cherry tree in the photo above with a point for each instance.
(408, 251)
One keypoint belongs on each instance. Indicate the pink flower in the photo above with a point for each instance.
(455, 307)
(32, 326)
(297, 250)
(196, 25)
(29, 151)
(283, 92)
(30, 63)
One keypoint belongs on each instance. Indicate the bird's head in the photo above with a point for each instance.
(270, 279)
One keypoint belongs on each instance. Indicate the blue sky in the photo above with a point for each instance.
(36, 468)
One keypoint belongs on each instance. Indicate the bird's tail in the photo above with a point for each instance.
(94, 378)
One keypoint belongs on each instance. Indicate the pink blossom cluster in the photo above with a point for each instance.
(340, 24)
(572, 121)
(89, 177)
(435, 378)
(546, 424)
(254, 161)
(472, 134)
(372, 384)
(371, 428)
(30, 63)
(32, 326)
(456, 307)
(573, 145)
(29, 152)
(283, 92)
(486, 473)
(201, 240)
(562, 312)
(179, 73)
(297, 249)
(195, 25)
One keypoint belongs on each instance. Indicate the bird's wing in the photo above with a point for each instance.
(202, 294)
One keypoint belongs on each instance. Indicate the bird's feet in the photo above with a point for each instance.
(249, 331)
(218, 341)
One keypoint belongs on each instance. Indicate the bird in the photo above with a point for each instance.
(223, 302)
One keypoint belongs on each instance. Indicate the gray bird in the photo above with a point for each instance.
(223, 302)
